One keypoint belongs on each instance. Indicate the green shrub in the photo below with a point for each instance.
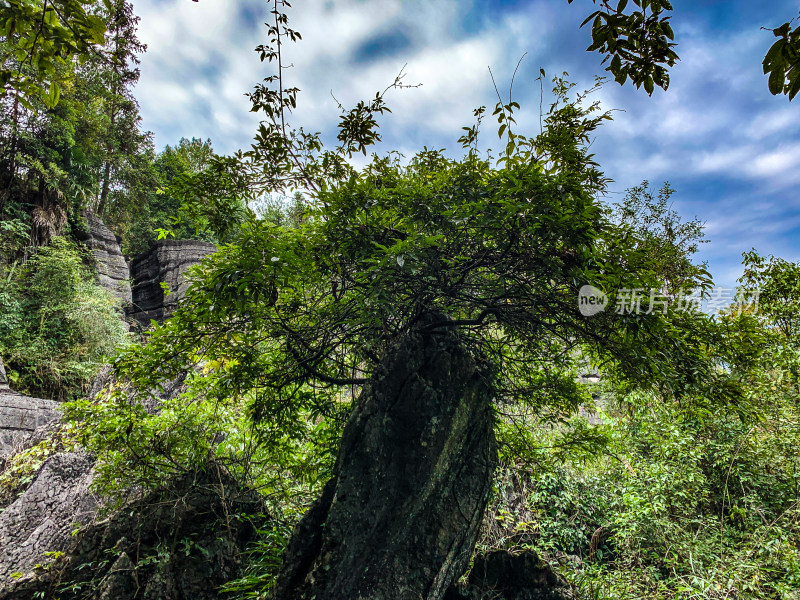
(677, 505)
(57, 326)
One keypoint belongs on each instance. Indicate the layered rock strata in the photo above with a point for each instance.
(20, 415)
(165, 263)
(112, 269)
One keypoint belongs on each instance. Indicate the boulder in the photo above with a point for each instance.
(181, 542)
(165, 263)
(42, 520)
(59, 539)
(400, 517)
(20, 415)
(523, 576)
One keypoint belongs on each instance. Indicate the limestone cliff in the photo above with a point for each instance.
(112, 269)
(166, 263)
(138, 285)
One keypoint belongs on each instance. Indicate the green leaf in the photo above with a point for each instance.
(783, 30)
(773, 54)
(776, 80)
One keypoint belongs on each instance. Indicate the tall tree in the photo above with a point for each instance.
(87, 151)
(161, 212)
(121, 109)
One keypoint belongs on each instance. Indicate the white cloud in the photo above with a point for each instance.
(783, 121)
(726, 160)
(777, 163)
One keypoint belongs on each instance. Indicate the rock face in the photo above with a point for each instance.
(513, 577)
(112, 270)
(43, 518)
(400, 517)
(39, 525)
(20, 415)
(166, 262)
(180, 543)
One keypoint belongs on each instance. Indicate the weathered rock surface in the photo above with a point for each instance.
(166, 262)
(112, 269)
(400, 517)
(43, 518)
(20, 415)
(513, 577)
(180, 543)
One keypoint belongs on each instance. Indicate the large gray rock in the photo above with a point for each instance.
(501, 574)
(400, 517)
(43, 518)
(166, 262)
(112, 270)
(178, 543)
(20, 415)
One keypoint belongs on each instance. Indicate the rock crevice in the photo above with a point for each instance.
(140, 285)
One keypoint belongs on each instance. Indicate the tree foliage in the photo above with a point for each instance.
(289, 319)
(639, 44)
(41, 38)
(87, 152)
(782, 62)
(284, 324)
(662, 499)
(57, 326)
(663, 237)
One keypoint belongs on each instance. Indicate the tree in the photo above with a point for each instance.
(120, 109)
(775, 281)
(436, 294)
(666, 242)
(87, 151)
(451, 282)
(177, 206)
(163, 209)
(45, 36)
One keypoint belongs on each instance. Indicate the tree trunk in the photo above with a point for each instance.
(400, 517)
(101, 204)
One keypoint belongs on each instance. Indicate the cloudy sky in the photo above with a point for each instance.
(730, 149)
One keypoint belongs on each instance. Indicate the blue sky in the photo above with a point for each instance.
(730, 149)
